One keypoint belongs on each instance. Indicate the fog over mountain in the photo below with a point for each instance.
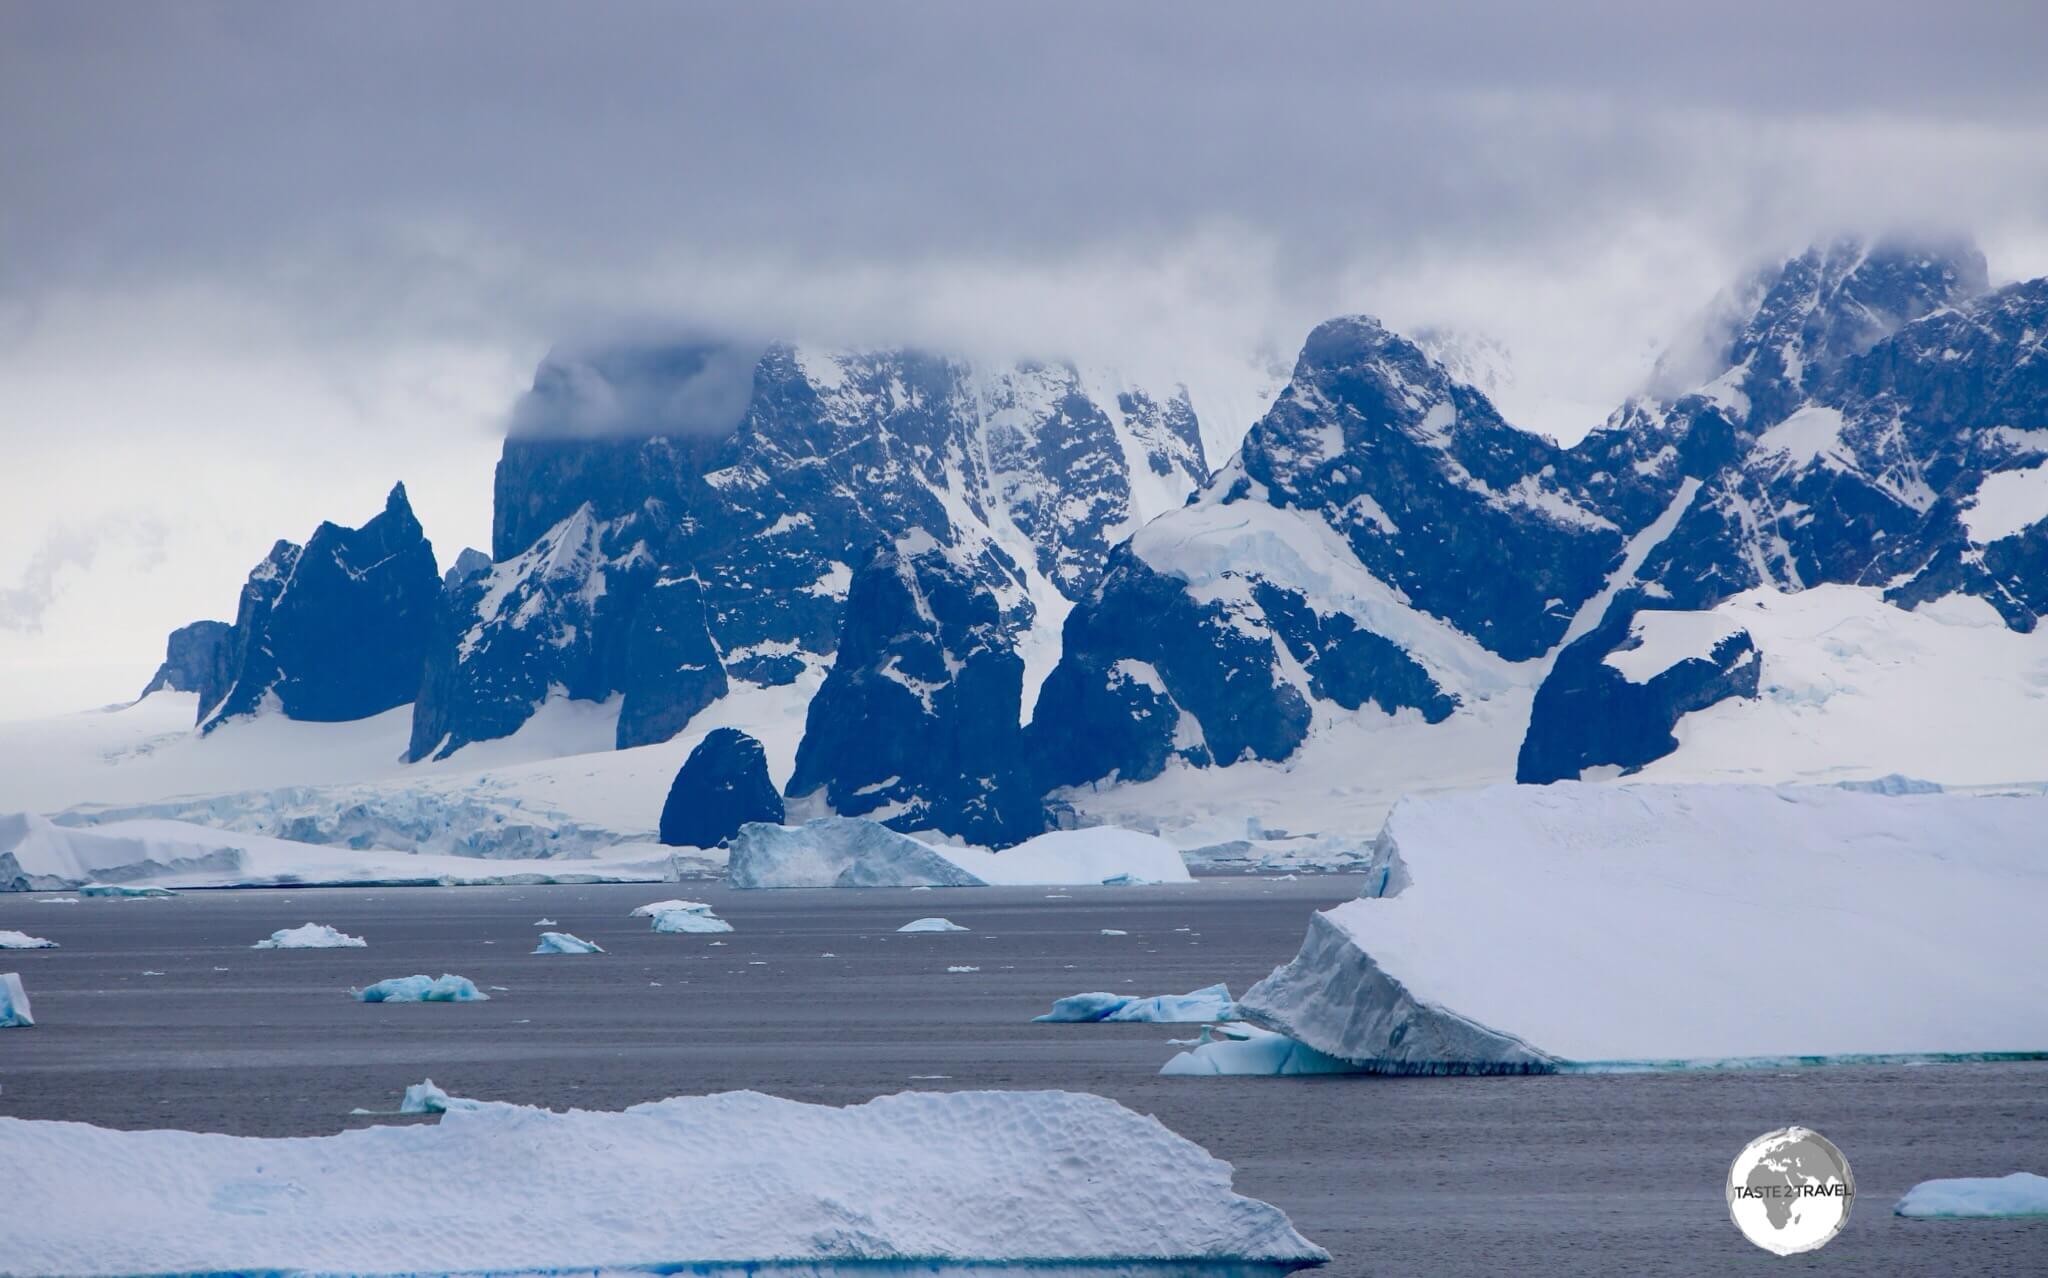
(258, 264)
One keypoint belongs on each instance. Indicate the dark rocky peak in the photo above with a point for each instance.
(467, 564)
(193, 658)
(723, 785)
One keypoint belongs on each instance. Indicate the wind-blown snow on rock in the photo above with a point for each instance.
(14, 1009)
(852, 852)
(1977, 1197)
(1528, 928)
(1210, 1003)
(1055, 1183)
(312, 936)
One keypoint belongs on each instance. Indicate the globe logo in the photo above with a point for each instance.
(1790, 1191)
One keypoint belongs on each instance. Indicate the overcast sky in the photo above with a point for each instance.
(257, 261)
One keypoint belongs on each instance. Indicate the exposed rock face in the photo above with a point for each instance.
(192, 658)
(334, 630)
(917, 725)
(722, 786)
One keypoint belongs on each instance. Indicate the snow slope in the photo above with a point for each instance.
(854, 852)
(1051, 1181)
(38, 856)
(1528, 927)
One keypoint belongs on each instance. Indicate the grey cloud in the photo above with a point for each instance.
(640, 386)
(23, 606)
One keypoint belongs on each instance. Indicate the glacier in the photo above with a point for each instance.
(447, 988)
(565, 943)
(940, 1184)
(1580, 926)
(312, 936)
(1977, 1197)
(1210, 1003)
(10, 940)
(14, 1010)
(855, 852)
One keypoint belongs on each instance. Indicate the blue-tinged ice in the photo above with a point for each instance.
(1246, 1049)
(312, 936)
(932, 925)
(425, 1098)
(446, 988)
(1211, 1003)
(565, 943)
(14, 1013)
(122, 889)
(1977, 1197)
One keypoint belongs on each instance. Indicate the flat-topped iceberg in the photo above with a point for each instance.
(853, 852)
(682, 917)
(14, 1010)
(150, 857)
(565, 943)
(1051, 1183)
(1573, 925)
(1977, 1197)
(1210, 1003)
(312, 936)
(23, 941)
(932, 925)
(446, 988)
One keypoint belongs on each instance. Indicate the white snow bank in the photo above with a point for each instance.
(23, 941)
(1529, 927)
(1239, 1049)
(14, 1011)
(565, 943)
(932, 925)
(1210, 1003)
(446, 988)
(425, 1098)
(313, 936)
(852, 852)
(1972, 1197)
(1056, 1183)
(148, 857)
(693, 917)
(2006, 503)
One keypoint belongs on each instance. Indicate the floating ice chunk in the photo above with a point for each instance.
(1974, 1197)
(130, 890)
(425, 1098)
(56, 900)
(683, 917)
(23, 941)
(1473, 954)
(932, 925)
(1211, 1003)
(547, 922)
(14, 1012)
(1247, 1049)
(313, 936)
(564, 943)
(446, 988)
(963, 968)
(1114, 931)
(1056, 1184)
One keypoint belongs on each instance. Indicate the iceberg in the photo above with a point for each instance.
(1977, 1197)
(564, 943)
(1578, 926)
(1246, 1049)
(447, 988)
(23, 941)
(1210, 1003)
(14, 1011)
(313, 936)
(1053, 1184)
(425, 1098)
(148, 857)
(682, 917)
(932, 925)
(854, 852)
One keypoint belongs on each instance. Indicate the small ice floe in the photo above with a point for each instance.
(932, 925)
(1237, 1048)
(425, 1098)
(151, 972)
(23, 941)
(313, 936)
(123, 889)
(963, 968)
(14, 1013)
(1114, 931)
(1211, 1003)
(446, 988)
(56, 900)
(686, 917)
(565, 943)
(544, 923)
(1977, 1197)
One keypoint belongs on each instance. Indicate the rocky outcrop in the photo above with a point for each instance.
(722, 786)
(193, 658)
